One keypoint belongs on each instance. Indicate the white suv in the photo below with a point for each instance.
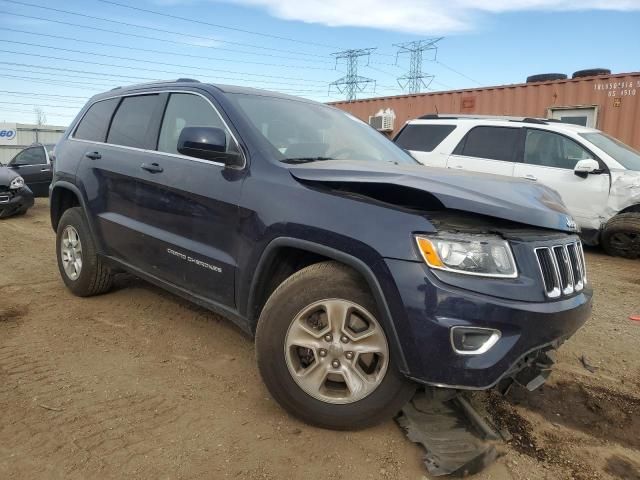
(597, 176)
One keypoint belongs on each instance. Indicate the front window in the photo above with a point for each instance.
(549, 149)
(620, 152)
(301, 131)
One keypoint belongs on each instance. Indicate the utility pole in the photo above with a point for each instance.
(415, 79)
(351, 84)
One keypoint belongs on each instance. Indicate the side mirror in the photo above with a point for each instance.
(207, 143)
(585, 167)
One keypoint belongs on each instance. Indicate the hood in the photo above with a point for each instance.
(496, 196)
(6, 175)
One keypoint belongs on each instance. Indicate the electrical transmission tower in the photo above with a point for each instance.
(415, 79)
(351, 84)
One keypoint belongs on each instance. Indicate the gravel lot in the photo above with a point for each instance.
(141, 384)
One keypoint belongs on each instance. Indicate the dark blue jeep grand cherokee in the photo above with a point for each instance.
(361, 273)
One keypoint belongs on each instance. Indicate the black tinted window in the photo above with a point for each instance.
(186, 110)
(495, 143)
(131, 122)
(423, 138)
(30, 156)
(95, 123)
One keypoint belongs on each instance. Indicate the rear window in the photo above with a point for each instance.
(94, 124)
(494, 143)
(131, 122)
(423, 138)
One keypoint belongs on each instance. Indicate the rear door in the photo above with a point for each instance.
(487, 149)
(422, 141)
(118, 144)
(549, 158)
(33, 165)
(187, 208)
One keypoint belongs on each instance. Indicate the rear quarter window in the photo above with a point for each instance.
(493, 143)
(423, 138)
(94, 124)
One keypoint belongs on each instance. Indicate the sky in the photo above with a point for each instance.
(55, 55)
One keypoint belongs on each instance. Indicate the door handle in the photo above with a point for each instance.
(533, 178)
(152, 167)
(46, 169)
(93, 155)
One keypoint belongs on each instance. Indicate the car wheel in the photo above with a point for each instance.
(82, 271)
(324, 354)
(621, 235)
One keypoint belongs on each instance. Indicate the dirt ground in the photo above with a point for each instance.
(141, 384)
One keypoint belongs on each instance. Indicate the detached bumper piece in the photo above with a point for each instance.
(446, 430)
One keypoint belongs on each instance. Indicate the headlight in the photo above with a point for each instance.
(16, 183)
(481, 255)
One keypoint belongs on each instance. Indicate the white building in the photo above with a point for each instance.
(16, 136)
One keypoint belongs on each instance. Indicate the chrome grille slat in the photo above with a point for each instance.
(562, 268)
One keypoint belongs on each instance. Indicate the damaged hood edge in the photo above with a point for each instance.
(502, 197)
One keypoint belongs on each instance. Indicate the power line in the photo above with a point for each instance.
(41, 94)
(459, 73)
(414, 80)
(137, 26)
(137, 68)
(84, 52)
(127, 47)
(226, 27)
(352, 83)
(101, 75)
(39, 105)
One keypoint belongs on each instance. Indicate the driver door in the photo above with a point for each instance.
(549, 158)
(33, 165)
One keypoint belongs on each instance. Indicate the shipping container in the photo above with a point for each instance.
(608, 102)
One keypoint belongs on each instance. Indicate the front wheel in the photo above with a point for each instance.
(621, 235)
(324, 354)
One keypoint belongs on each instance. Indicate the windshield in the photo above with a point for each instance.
(621, 153)
(301, 132)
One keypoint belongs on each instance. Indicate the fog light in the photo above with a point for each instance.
(473, 340)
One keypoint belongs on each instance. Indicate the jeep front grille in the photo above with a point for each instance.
(562, 268)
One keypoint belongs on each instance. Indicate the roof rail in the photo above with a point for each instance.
(539, 121)
(193, 80)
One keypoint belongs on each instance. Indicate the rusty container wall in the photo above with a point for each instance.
(617, 98)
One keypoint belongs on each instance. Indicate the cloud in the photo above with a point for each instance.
(418, 16)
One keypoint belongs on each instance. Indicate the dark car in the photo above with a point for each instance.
(361, 273)
(34, 165)
(15, 197)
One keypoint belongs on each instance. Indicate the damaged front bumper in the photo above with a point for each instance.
(13, 202)
(529, 331)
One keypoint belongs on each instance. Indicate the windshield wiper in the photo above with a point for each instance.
(305, 159)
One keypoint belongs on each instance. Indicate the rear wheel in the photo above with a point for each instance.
(621, 235)
(324, 354)
(82, 271)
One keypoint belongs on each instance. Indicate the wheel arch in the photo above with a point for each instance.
(64, 195)
(260, 292)
(631, 209)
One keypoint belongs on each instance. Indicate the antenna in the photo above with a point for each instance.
(415, 79)
(352, 84)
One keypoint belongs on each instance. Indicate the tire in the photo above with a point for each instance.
(324, 283)
(546, 77)
(591, 72)
(94, 276)
(621, 235)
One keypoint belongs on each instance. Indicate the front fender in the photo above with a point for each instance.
(377, 276)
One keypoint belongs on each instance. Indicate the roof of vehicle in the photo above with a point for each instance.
(552, 124)
(188, 82)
